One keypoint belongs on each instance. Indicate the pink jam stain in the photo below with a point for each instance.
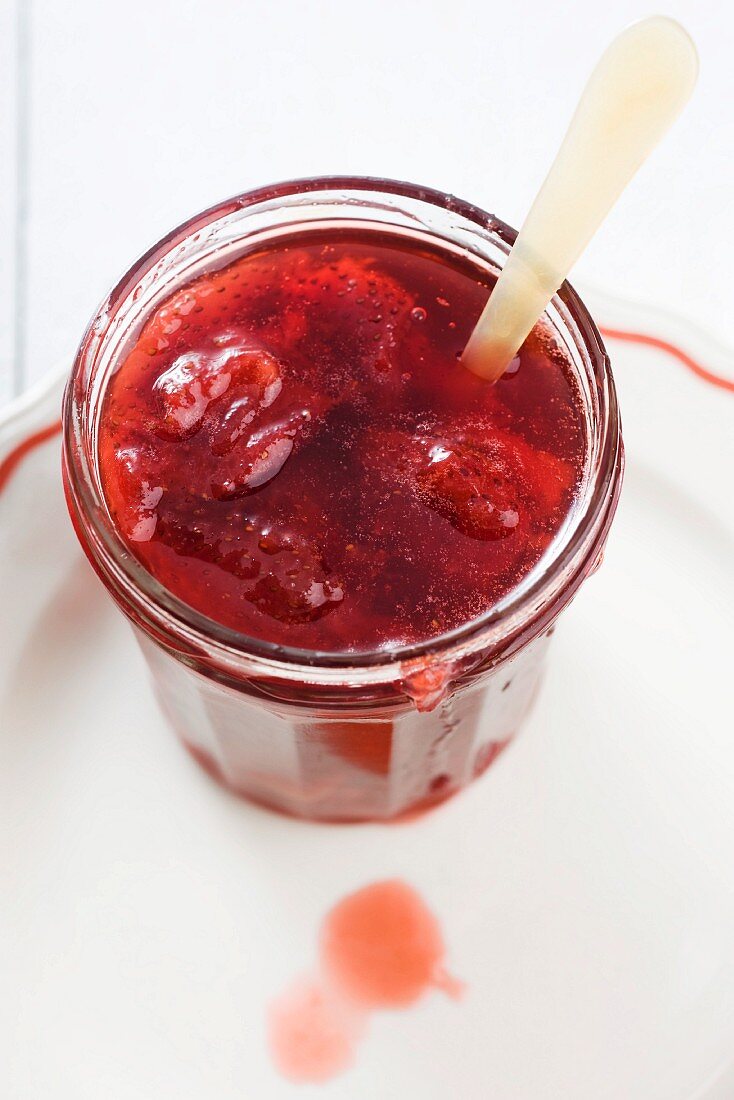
(313, 1033)
(379, 948)
(383, 947)
(16, 456)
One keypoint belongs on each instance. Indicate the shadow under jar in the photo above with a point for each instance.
(350, 731)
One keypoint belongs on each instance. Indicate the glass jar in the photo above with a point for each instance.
(339, 736)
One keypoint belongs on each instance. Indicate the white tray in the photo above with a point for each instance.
(585, 885)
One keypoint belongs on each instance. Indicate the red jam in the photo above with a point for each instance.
(382, 947)
(293, 447)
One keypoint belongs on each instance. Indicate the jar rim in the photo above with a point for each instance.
(158, 610)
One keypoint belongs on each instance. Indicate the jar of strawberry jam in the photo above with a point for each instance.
(341, 552)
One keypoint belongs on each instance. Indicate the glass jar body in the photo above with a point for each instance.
(342, 737)
(359, 763)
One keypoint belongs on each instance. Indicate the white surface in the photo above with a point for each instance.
(143, 112)
(8, 198)
(585, 884)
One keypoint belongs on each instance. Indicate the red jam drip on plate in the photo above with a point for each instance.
(380, 948)
(312, 1033)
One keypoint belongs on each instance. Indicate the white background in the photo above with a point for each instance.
(118, 120)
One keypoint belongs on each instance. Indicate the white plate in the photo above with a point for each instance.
(585, 886)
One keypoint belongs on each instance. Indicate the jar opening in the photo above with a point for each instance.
(210, 241)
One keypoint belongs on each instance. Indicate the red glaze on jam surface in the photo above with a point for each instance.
(293, 448)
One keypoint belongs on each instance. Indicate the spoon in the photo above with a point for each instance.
(638, 88)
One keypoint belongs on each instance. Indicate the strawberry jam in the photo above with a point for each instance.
(293, 448)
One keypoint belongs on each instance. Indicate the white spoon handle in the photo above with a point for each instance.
(636, 91)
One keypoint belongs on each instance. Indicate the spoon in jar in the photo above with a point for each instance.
(637, 90)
